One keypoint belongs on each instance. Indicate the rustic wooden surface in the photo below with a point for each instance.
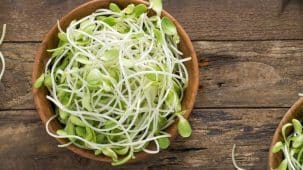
(251, 70)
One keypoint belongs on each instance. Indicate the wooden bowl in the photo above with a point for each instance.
(44, 107)
(295, 112)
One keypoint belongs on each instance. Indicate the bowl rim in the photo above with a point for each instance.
(43, 46)
(293, 112)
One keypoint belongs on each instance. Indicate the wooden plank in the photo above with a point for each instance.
(24, 144)
(203, 19)
(29, 21)
(15, 86)
(250, 74)
(232, 74)
(238, 20)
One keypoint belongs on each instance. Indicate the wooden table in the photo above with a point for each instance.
(251, 70)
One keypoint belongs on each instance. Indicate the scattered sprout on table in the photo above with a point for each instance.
(234, 159)
(1, 55)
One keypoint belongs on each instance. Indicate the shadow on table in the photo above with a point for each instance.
(285, 3)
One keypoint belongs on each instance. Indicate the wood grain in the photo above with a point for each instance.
(202, 19)
(30, 20)
(24, 142)
(250, 73)
(232, 74)
(15, 86)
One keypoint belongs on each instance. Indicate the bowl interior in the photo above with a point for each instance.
(50, 41)
(295, 112)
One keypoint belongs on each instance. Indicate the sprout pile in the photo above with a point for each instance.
(117, 80)
(291, 146)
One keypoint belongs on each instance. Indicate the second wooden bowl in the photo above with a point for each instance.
(295, 112)
(50, 41)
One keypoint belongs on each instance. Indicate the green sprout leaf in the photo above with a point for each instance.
(176, 38)
(122, 151)
(109, 124)
(48, 81)
(163, 143)
(86, 102)
(111, 55)
(61, 132)
(111, 21)
(162, 122)
(62, 36)
(57, 52)
(297, 126)
(156, 5)
(184, 127)
(39, 81)
(94, 77)
(70, 130)
(90, 134)
(173, 100)
(110, 153)
(100, 138)
(63, 115)
(168, 26)
(277, 147)
(122, 161)
(75, 120)
(89, 29)
(297, 141)
(83, 59)
(80, 131)
(287, 125)
(98, 152)
(282, 166)
(139, 10)
(158, 36)
(114, 7)
(129, 9)
(63, 96)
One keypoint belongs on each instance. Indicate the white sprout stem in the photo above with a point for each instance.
(234, 159)
(3, 65)
(1, 55)
(288, 157)
(3, 33)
